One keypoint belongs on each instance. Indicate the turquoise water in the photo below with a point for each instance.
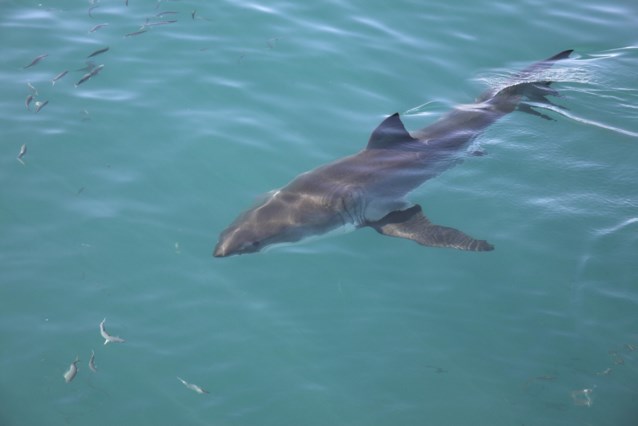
(129, 178)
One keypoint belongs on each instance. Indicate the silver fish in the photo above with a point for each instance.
(97, 27)
(90, 74)
(84, 78)
(34, 91)
(605, 372)
(153, 24)
(39, 105)
(192, 386)
(107, 337)
(36, 60)
(138, 32)
(92, 362)
(22, 153)
(28, 101)
(59, 76)
(72, 371)
(99, 51)
(166, 12)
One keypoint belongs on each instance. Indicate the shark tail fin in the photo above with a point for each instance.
(544, 64)
(534, 86)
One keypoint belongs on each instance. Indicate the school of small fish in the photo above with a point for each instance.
(155, 18)
(70, 374)
(584, 397)
(73, 369)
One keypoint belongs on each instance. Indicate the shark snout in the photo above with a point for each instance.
(235, 241)
(219, 251)
(223, 248)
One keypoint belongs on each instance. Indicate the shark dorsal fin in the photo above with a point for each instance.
(389, 134)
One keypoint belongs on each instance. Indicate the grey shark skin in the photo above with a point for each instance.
(368, 188)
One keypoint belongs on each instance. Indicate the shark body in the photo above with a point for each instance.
(368, 189)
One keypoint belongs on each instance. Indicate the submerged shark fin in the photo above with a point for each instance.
(413, 225)
(539, 66)
(531, 84)
(528, 109)
(389, 134)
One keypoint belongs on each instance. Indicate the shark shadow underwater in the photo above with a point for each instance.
(369, 188)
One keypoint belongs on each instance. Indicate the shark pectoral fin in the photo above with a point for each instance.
(413, 225)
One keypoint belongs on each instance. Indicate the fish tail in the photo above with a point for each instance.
(531, 85)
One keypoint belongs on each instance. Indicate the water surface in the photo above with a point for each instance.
(129, 177)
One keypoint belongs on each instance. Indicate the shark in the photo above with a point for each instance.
(369, 188)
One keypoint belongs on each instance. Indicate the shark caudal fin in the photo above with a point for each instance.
(543, 65)
(412, 224)
(533, 85)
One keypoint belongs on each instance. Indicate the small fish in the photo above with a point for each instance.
(97, 27)
(92, 362)
(22, 153)
(193, 13)
(98, 52)
(84, 78)
(39, 105)
(36, 60)
(107, 337)
(72, 371)
(582, 397)
(605, 372)
(28, 101)
(95, 71)
(134, 33)
(59, 76)
(192, 386)
(167, 12)
(153, 24)
(34, 91)
(630, 347)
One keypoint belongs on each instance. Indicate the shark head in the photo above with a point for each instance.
(284, 217)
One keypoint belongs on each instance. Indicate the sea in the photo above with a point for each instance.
(132, 133)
